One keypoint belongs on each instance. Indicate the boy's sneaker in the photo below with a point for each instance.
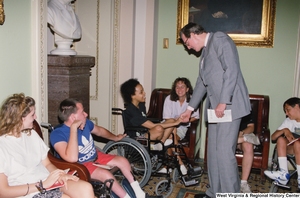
(245, 188)
(281, 176)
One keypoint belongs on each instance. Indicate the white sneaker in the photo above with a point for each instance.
(281, 176)
(183, 169)
(164, 170)
(168, 142)
(156, 147)
(245, 188)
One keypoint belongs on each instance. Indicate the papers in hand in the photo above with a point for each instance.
(212, 118)
(294, 140)
(108, 167)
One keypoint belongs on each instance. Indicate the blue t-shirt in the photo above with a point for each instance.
(86, 147)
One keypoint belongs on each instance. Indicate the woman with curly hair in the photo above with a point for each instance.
(25, 169)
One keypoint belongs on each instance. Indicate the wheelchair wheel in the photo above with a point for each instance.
(175, 175)
(137, 156)
(164, 188)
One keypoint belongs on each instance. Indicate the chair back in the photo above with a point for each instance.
(260, 111)
(156, 105)
(37, 128)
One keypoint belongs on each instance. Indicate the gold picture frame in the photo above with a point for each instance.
(261, 36)
(2, 15)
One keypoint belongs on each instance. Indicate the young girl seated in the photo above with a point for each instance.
(135, 114)
(175, 104)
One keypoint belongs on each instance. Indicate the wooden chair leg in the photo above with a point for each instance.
(262, 175)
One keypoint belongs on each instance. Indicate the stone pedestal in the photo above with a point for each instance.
(68, 77)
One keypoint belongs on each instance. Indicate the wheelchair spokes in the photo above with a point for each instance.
(137, 156)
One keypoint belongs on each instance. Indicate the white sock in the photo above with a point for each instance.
(137, 189)
(283, 164)
(298, 170)
(243, 181)
(127, 196)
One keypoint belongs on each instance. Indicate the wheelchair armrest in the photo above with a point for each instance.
(82, 171)
(136, 128)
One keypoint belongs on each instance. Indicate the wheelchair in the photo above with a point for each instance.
(146, 162)
(275, 166)
(101, 189)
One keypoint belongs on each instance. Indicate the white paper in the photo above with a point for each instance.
(212, 118)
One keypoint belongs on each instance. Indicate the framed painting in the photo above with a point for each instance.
(248, 22)
(2, 15)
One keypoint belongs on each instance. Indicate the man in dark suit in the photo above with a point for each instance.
(221, 79)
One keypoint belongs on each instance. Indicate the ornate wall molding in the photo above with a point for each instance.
(115, 70)
(95, 95)
(297, 68)
(39, 59)
(43, 60)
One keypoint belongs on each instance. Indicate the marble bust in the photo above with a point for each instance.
(65, 25)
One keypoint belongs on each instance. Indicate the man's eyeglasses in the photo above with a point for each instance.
(185, 42)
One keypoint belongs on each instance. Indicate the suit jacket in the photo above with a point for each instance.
(220, 77)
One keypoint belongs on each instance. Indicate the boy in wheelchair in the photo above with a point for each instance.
(288, 131)
(73, 142)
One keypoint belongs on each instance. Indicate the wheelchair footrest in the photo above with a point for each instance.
(281, 185)
(195, 171)
(189, 181)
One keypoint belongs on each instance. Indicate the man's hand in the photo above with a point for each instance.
(185, 116)
(219, 110)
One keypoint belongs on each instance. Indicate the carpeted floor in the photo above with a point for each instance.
(180, 191)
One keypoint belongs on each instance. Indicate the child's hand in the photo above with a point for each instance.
(52, 178)
(120, 137)
(65, 177)
(179, 120)
(288, 135)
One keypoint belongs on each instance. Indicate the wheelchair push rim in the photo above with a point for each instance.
(137, 156)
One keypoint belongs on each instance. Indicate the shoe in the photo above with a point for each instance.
(281, 176)
(183, 169)
(245, 188)
(156, 147)
(201, 196)
(168, 142)
(153, 196)
(251, 138)
(164, 170)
